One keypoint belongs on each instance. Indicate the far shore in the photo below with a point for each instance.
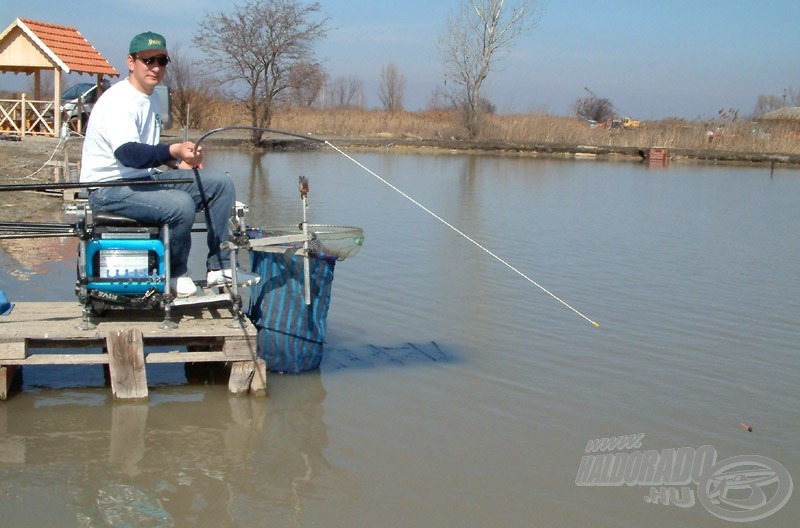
(276, 142)
(30, 159)
(30, 151)
(559, 150)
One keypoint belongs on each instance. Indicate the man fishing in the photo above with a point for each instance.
(122, 143)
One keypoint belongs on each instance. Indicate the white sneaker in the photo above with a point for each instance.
(223, 277)
(182, 286)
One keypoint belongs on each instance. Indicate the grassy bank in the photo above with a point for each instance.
(739, 137)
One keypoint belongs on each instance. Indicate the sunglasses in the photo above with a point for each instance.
(162, 60)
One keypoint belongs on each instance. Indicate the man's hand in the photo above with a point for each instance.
(185, 166)
(190, 155)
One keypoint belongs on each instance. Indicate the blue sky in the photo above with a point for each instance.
(651, 59)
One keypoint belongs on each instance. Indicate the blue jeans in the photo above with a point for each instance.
(176, 205)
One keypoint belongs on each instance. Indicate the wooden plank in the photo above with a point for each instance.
(207, 335)
(59, 359)
(185, 357)
(240, 349)
(126, 364)
(52, 321)
(12, 350)
(152, 357)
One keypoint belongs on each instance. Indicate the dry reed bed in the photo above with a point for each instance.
(745, 137)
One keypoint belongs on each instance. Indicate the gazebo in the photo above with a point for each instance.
(31, 47)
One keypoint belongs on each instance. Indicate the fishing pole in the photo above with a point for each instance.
(16, 230)
(83, 185)
(14, 236)
(17, 226)
(204, 199)
(412, 200)
(9, 230)
(258, 129)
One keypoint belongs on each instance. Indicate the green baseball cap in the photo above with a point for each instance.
(148, 41)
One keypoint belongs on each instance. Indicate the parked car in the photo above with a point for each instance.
(78, 101)
(76, 105)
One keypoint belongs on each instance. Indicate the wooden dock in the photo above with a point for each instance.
(120, 340)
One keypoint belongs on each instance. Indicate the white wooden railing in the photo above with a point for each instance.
(27, 117)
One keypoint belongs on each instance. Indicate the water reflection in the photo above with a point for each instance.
(217, 460)
(24, 258)
(258, 186)
(691, 272)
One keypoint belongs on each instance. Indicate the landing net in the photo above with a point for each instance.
(329, 241)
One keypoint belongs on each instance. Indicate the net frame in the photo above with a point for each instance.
(335, 242)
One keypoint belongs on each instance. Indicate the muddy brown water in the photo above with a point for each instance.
(454, 392)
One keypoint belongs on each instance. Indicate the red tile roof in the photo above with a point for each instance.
(68, 46)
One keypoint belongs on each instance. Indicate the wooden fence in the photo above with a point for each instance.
(27, 117)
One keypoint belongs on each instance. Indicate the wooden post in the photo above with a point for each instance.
(8, 373)
(248, 376)
(22, 130)
(241, 376)
(259, 383)
(57, 103)
(126, 364)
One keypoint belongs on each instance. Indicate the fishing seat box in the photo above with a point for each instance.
(125, 256)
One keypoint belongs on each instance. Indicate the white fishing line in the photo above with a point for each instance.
(409, 198)
(464, 235)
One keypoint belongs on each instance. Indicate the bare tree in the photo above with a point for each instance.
(192, 93)
(597, 109)
(347, 92)
(46, 84)
(306, 82)
(255, 47)
(767, 103)
(474, 36)
(392, 89)
(792, 95)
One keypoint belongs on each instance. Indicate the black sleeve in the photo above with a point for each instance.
(141, 156)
